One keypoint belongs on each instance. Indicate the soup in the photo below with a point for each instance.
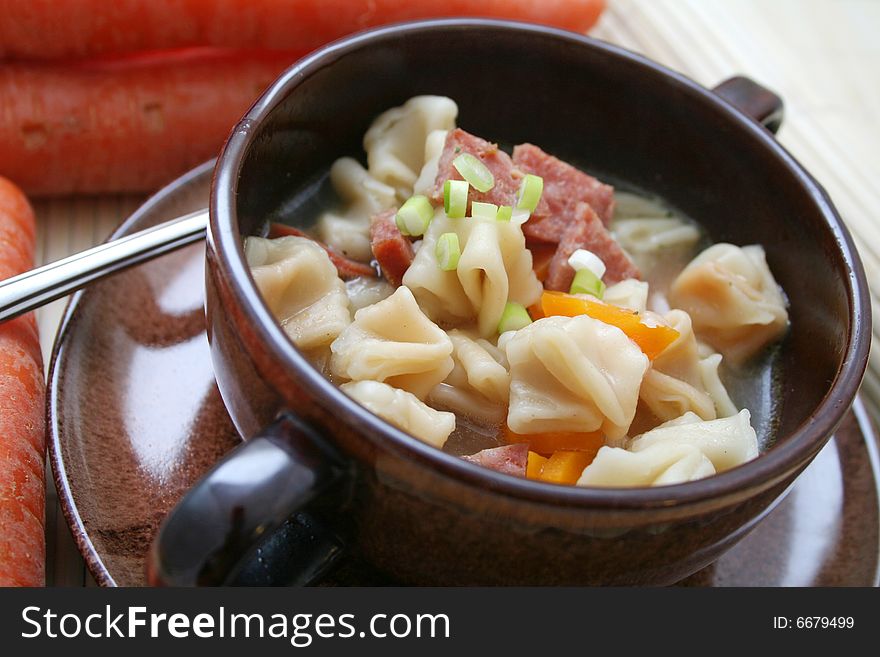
(517, 312)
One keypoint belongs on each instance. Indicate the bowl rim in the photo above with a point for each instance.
(226, 252)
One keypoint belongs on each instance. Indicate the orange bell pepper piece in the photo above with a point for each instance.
(553, 441)
(566, 467)
(534, 464)
(652, 340)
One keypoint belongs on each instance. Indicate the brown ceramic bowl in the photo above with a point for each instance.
(422, 516)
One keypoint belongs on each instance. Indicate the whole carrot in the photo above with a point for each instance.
(64, 28)
(22, 391)
(124, 124)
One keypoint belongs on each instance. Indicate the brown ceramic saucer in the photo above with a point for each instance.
(135, 418)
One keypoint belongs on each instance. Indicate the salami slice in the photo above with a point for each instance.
(509, 459)
(564, 187)
(588, 232)
(392, 250)
(507, 178)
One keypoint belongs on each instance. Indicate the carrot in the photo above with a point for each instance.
(652, 340)
(79, 28)
(552, 441)
(534, 464)
(22, 391)
(565, 467)
(129, 124)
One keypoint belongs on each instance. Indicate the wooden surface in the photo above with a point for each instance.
(821, 56)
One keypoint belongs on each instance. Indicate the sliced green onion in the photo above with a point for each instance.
(484, 210)
(583, 259)
(448, 251)
(505, 212)
(414, 215)
(455, 194)
(530, 192)
(520, 216)
(514, 317)
(586, 282)
(474, 171)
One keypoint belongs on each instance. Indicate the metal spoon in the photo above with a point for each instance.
(35, 288)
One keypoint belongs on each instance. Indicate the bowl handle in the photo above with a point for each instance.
(252, 503)
(753, 100)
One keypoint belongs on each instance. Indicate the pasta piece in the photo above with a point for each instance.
(727, 442)
(481, 366)
(433, 150)
(301, 287)
(503, 244)
(348, 228)
(495, 267)
(392, 341)
(654, 466)
(467, 403)
(655, 234)
(483, 272)
(687, 418)
(674, 385)
(733, 299)
(404, 410)
(395, 142)
(479, 383)
(689, 468)
(724, 406)
(668, 397)
(628, 205)
(439, 292)
(629, 293)
(573, 374)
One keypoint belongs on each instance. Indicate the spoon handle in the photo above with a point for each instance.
(35, 288)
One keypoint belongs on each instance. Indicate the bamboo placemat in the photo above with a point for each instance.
(821, 56)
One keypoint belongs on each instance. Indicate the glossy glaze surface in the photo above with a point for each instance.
(136, 418)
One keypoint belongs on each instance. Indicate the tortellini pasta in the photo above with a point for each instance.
(395, 142)
(684, 449)
(724, 406)
(347, 229)
(573, 374)
(479, 383)
(393, 342)
(434, 144)
(629, 293)
(675, 383)
(438, 291)
(404, 410)
(635, 206)
(657, 466)
(734, 301)
(727, 442)
(301, 287)
(495, 267)
(649, 235)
